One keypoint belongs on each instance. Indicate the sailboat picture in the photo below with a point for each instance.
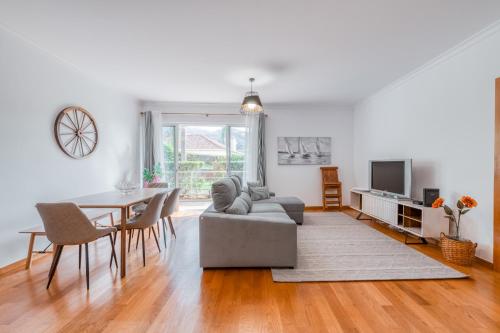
(304, 150)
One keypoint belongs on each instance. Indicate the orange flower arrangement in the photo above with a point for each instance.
(468, 201)
(438, 203)
(464, 204)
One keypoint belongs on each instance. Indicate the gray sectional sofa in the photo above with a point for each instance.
(259, 233)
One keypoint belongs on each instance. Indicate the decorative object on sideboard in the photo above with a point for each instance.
(151, 176)
(251, 103)
(430, 195)
(304, 150)
(76, 133)
(126, 187)
(456, 249)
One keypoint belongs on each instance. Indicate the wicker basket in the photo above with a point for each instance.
(456, 251)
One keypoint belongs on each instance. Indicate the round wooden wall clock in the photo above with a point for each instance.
(76, 132)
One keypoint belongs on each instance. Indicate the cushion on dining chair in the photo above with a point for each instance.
(140, 208)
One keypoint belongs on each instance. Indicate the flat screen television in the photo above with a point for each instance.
(392, 177)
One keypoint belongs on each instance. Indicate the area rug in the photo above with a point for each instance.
(335, 247)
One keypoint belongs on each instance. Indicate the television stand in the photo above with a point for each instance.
(361, 214)
(421, 240)
(413, 220)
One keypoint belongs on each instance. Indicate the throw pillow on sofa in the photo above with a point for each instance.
(253, 184)
(237, 183)
(223, 194)
(238, 207)
(259, 193)
(245, 196)
(249, 186)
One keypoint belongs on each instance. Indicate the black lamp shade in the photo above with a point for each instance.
(251, 103)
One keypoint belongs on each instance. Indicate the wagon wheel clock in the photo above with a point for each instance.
(76, 132)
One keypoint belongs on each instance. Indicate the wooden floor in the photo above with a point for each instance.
(172, 294)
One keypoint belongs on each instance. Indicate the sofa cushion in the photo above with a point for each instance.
(272, 216)
(223, 194)
(290, 204)
(259, 193)
(237, 184)
(245, 196)
(238, 207)
(266, 207)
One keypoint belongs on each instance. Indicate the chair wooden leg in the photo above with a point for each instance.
(158, 227)
(30, 251)
(79, 256)
(164, 224)
(156, 239)
(171, 226)
(149, 235)
(113, 253)
(54, 255)
(87, 264)
(143, 249)
(137, 241)
(129, 239)
(55, 262)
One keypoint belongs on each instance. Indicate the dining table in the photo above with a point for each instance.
(122, 201)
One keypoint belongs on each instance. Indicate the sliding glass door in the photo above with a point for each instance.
(195, 156)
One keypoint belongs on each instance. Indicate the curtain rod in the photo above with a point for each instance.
(202, 114)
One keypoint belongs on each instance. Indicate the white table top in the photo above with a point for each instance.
(117, 199)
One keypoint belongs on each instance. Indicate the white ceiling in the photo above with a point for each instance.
(203, 51)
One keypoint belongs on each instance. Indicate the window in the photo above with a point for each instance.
(195, 156)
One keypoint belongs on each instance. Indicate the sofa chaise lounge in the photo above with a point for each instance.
(263, 236)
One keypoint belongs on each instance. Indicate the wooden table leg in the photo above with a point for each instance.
(30, 250)
(123, 242)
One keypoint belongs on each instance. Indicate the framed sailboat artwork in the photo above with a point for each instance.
(293, 150)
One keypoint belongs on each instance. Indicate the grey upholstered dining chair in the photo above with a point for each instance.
(146, 220)
(65, 224)
(139, 208)
(167, 211)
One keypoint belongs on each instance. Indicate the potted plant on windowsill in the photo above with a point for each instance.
(152, 176)
(454, 248)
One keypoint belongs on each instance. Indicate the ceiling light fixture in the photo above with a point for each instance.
(251, 103)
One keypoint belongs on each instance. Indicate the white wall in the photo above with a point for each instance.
(289, 120)
(442, 116)
(34, 87)
(304, 181)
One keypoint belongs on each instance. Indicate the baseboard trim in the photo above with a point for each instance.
(21, 263)
(16, 265)
(483, 262)
(313, 208)
(320, 209)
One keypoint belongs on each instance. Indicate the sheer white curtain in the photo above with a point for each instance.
(251, 149)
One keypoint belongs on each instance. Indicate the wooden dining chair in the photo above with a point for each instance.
(145, 220)
(65, 224)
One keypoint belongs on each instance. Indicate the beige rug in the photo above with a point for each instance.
(336, 247)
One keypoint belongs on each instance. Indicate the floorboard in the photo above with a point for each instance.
(172, 294)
